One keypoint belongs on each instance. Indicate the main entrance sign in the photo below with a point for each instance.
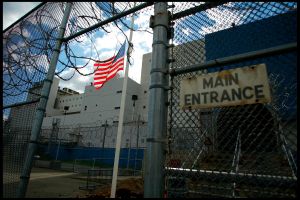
(239, 86)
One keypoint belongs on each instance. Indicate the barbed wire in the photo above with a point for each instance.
(28, 45)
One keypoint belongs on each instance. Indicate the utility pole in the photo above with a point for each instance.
(39, 114)
(158, 97)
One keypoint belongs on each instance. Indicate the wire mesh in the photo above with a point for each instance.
(229, 151)
(27, 50)
(239, 151)
(28, 45)
(16, 136)
(92, 147)
(80, 53)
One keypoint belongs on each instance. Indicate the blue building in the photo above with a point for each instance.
(253, 36)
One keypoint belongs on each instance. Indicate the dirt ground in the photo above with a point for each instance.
(48, 183)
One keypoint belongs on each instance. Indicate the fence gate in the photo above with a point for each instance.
(229, 137)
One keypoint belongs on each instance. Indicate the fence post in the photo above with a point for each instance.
(57, 150)
(158, 97)
(104, 134)
(137, 142)
(39, 115)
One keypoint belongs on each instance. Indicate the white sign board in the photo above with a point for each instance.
(239, 86)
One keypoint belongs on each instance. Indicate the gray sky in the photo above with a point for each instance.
(12, 11)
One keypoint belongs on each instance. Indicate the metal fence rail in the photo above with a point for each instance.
(242, 150)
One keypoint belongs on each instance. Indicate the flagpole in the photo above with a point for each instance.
(120, 125)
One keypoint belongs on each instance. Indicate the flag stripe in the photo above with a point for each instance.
(102, 64)
(103, 79)
(104, 70)
(100, 82)
(112, 68)
(107, 69)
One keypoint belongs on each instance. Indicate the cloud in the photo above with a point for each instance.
(107, 45)
(77, 83)
(12, 11)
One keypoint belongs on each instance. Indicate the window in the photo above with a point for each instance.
(63, 100)
(120, 91)
(144, 107)
(116, 108)
(85, 107)
(142, 140)
(145, 92)
(96, 105)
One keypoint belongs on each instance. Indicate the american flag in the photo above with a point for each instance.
(108, 69)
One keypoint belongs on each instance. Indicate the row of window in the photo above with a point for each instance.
(116, 108)
(120, 91)
(85, 107)
(77, 98)
(75, 105)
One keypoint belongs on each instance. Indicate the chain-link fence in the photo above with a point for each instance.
(242, 150)
(80, 148)
(16, 135)
(245, 150)
(28, 49)
(70, 148)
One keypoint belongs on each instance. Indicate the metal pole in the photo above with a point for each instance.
(196, 9)
(94, 161)
(24, 16)
(57, 149)
(128, 153)
(129, 150)
(111, 19)
(50, 138)
(120, 125)
(272, 51)
(39, 115)
(104, 134)
(137, 142)
(157, 114)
